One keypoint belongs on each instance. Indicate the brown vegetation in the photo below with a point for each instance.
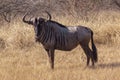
(21, 58)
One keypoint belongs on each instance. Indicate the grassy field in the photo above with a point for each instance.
(23, 59)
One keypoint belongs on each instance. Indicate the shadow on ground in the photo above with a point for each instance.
(103, 65)
(109, 65)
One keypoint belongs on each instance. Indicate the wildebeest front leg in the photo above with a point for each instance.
(51, 57)
(88, 60)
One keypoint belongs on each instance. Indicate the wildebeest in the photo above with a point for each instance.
(53, 35)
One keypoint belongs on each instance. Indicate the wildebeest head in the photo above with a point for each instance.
(37, 23)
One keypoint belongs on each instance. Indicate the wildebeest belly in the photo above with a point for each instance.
(66, 42)
(66, 48)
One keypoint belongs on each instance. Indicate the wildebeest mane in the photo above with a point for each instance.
(61, 25)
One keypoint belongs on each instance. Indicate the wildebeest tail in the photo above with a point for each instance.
(95, 56)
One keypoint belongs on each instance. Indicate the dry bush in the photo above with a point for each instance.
(83, 9)
(21, 36)
(107, 27)
(2, 44)
(17, 36)
(109, 35)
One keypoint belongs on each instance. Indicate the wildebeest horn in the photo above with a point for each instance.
(49, 15)
(28, 22)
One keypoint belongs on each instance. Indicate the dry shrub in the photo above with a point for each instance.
(3, 37)
(106, 27)
(2, 44)
(20, 36)
(108, 35)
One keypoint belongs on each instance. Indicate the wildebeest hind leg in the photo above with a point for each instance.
(86, 50)
(92, 57)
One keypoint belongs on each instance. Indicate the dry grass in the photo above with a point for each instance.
(23, 59)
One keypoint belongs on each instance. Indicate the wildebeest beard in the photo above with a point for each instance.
(38, 32)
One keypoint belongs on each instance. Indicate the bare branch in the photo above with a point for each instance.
(5, 15)
(116, 2)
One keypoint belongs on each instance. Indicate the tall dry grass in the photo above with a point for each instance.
(23, 59)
